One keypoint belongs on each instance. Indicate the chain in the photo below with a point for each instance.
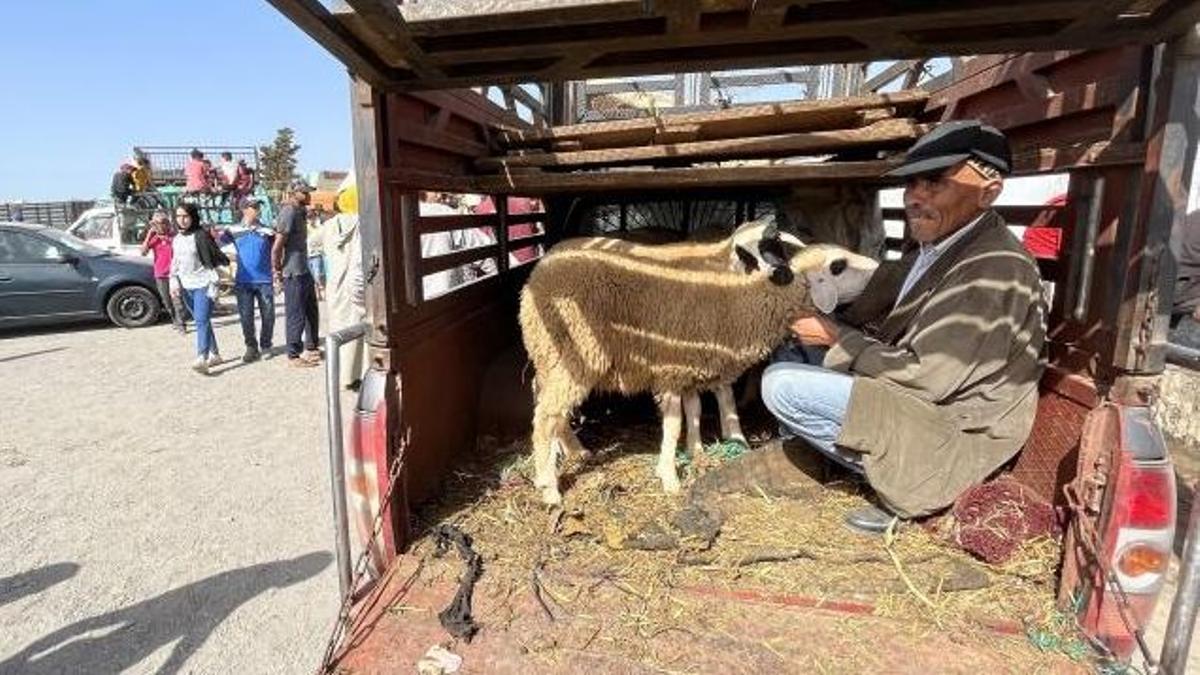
(1090, 539)
(360, 566)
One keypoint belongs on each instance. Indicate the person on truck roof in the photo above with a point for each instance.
(928, 383)
(195, 173)
(122, 184)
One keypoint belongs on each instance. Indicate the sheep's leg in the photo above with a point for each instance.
(691, 414)
(670, 405)
(731, 425)
(545, 460)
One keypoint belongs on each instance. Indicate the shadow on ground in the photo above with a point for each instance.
(35, 581)
(117, 640)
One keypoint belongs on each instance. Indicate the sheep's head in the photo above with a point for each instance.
(835, 276)
(761, 245)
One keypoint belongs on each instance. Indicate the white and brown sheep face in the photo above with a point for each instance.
(835, 277)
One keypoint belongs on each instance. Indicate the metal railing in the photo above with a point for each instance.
(337, 455)
(1182, 620)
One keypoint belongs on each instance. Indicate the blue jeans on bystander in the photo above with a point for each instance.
(264, 296)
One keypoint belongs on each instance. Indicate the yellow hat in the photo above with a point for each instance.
(347, 195)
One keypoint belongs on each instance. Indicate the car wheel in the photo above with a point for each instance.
(133, 307)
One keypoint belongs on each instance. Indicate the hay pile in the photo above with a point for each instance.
(619, 532)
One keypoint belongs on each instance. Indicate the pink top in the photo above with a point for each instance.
(518, 231)
(193, 172)
(161, 246)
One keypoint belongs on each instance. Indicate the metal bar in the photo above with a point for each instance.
(1182, 620)
(501, 202)
(1184, 357)
(337, 457)
(1088, 249)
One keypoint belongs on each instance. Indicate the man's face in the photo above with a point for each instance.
(302, 197)
(250, 212)
(938, 204)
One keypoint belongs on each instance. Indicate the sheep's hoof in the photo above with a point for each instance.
(551, 496)
(670, 481)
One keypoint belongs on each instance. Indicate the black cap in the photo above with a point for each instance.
(954, 142)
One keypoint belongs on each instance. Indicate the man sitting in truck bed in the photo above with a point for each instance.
(930, 383)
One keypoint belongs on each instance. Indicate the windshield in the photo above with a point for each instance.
(74, 243)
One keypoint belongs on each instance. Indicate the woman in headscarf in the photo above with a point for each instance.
(344, 292)
(194, 262)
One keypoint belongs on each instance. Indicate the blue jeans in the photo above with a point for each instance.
(200, 306)
(247, 296)
(810, 402)
(316, 267)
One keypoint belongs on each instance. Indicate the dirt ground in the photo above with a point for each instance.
(156, 520)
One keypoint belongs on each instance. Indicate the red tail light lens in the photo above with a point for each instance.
(1151, 498)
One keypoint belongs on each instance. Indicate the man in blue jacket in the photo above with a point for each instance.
(253, 282)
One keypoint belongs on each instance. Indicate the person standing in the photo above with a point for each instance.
(195, 258)
(289, 256)
(158, 241)
(316, 257)
(345, 293)
(253, 282)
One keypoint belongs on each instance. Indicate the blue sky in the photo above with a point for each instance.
(85, 80)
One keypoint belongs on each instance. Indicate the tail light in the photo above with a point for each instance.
(1137, 536)
(367, 468)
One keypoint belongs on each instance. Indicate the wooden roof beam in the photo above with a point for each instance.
(312, 18)
(384, 18)
(885, 133)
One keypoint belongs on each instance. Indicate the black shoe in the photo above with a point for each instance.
(268, 354)
(869, 520)
(251, 356)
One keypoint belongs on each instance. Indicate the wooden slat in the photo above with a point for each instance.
(429, 138)
(1014, 215)
(668, 179)
(887, 75)
(735, 121)
(1104, 153)
(884, 133)
(457, 259)
(432, 224)
(383, 17)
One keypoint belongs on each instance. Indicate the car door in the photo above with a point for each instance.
(40, 279)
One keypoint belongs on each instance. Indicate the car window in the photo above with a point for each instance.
(71, 242)
(20, 247)
(96, 227)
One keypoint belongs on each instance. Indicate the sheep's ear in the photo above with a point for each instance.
(821, 290)
(749, 262)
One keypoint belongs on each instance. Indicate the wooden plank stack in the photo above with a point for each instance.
(862, 128)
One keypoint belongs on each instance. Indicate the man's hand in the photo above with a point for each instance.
(816, 331)
(1196, 313)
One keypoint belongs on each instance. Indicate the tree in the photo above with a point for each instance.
(278, 162)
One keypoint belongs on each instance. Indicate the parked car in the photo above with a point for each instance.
(48, 276)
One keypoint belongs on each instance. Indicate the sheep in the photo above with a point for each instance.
(596, 318)
(741, 250)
